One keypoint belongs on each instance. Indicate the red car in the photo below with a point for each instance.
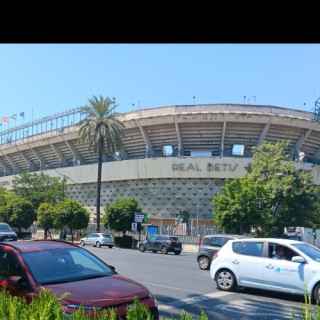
(61, 267)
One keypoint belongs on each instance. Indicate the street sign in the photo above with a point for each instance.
(138, 217)
(134, 226)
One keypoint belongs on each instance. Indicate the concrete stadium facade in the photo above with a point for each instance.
(201, 138)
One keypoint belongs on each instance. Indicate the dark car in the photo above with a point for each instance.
(209, 246)
(6, 233)
(162, 243)
(28, 266)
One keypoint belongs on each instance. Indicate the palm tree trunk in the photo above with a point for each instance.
(100, 152)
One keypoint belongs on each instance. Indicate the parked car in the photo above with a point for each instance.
(272, 264)
(28, 266)
(98, 240)
(6, 233)
(209, 246)
(162, 243)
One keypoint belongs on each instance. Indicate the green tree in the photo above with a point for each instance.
(120, 214)
(39, 188)
(46, 215)
(272, 195)
(71, 214)
(17, 211)
(103, 131)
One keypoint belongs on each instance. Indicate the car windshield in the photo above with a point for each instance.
(309, 250)
(65, 265)
(4, 228)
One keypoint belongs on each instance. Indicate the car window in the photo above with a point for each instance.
(5, 228)
(9, 265)
(152, 238)
(65, 265)
(215, 241)
(163, 238)
(309, 250)
(249, 248)
(280, 252)
(107, 236)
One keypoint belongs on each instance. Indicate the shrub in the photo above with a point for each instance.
(46, 306)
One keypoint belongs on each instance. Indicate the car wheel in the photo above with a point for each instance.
(98, 244)
(177, 253)
(204, 263)
(142, 248)
(225, 280)
(316, 294)
(82, 243)
(164, 250)
(110, 247)
(154, 251)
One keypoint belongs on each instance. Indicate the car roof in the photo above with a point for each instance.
(225, 236)
(38, 245)
(276, 240)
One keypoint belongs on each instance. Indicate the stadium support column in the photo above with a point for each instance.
(39, 158)
(27, 161)
(301, 140)
(263, 133)
(14, 167)
(223, 133)
(76, 154)
(180, 147)
(148, 151)
(58, 153)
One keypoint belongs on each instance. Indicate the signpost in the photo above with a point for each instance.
(138, 219)
(134, 226)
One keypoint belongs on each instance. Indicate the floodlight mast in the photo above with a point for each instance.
(316, 113)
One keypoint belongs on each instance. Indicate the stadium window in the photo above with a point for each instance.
(167, 150)
(201, 153)
(238, 150)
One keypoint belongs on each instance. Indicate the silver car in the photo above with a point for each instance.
(98, 240)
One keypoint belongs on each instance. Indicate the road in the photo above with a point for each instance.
(178, 284)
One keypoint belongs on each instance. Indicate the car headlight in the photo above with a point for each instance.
(85, 308)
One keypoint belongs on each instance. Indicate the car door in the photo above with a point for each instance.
(11, 266)
(90, 238)
(281, 274)
(157, 243)
(248, 262)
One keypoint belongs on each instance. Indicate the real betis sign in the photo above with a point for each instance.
(210, 166)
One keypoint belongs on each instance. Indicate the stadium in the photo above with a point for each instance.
(175, 158)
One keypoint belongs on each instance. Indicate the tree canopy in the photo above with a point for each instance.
(120, 214)
(17, 211)
(46, 215)
(72, 214)
(272, 195)
(39, 188)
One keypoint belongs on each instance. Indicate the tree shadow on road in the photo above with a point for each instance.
(234, 306)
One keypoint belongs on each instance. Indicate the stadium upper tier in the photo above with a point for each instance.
(212, 130)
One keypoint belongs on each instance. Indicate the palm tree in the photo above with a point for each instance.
(103, 131)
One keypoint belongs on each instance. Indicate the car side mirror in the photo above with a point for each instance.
(298, 259)
(113, 269)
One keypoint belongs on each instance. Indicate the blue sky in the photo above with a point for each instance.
(52, 78)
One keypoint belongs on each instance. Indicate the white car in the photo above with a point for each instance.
(98, 240)
(270, 264)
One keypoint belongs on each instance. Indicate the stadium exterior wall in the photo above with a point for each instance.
(163, 186)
